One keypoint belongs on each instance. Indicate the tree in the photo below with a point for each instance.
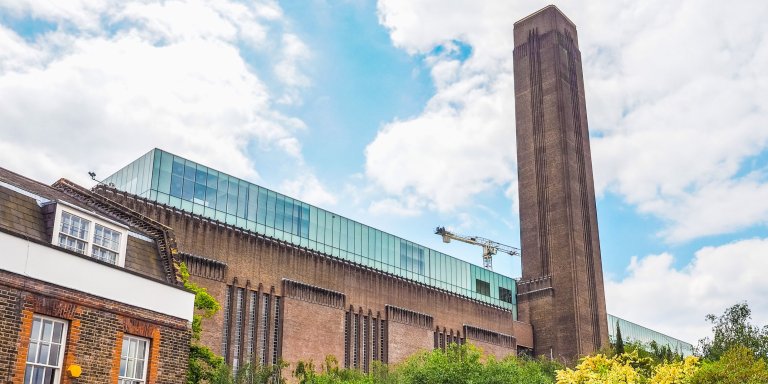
(619, 340)
(738, 365)
(733, 329)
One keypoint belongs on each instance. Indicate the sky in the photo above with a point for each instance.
(400, 114)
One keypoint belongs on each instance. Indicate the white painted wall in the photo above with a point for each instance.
(44, 263)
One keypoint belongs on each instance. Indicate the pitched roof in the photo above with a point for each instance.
(23, 203)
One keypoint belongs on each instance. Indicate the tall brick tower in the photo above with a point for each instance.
(561, 292)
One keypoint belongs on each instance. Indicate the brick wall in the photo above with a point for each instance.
(266, 262)
(312, 331)
(497, 351)
(10, 326)
(95, 330)
(407, 339)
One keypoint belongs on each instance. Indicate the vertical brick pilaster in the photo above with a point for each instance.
(70, 349)
(154, 357)
(23, 344)
(114, 373)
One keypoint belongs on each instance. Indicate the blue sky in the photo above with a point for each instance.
(400, 114)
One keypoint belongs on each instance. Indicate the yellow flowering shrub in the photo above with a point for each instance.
(680, 372)
(599, 369)
(628, 368)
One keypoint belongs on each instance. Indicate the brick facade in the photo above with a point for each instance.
(95, 332)
(264, 264)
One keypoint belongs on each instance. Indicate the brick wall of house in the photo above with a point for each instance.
(10, 326)
(95, 330)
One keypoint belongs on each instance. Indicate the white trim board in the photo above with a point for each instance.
(48, 264)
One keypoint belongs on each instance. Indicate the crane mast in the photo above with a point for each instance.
(490, 247)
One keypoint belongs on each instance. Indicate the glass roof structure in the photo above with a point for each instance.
(175, 181)
(635, 332)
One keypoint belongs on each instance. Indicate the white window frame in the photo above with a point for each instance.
(93, 220)
(37, 339)
(132, 380)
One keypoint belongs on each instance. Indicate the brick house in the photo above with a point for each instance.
(87, 288)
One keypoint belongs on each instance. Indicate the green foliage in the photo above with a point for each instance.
(736, 366)
(204, 365)
(653, 352)
(332, 374)
(619, 341)
(733, 329)
(663, 353)
(205, 305)
(458, 364)
(249, 374)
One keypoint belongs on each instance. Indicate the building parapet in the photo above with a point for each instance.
(313, 294)
(488, 336)
(405, 316)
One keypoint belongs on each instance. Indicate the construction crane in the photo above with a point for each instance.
(490, 247)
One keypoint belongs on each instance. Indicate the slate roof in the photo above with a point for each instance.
(24, 204)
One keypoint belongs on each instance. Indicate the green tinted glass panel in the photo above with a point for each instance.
(187, 185)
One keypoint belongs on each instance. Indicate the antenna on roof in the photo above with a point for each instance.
(92, 174)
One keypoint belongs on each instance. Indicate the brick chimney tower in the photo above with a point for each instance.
(561, 292)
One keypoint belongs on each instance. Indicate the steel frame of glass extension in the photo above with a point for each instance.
(169, 179)
(635, 332)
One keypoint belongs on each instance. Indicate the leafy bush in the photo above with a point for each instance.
(459, 364)
(737, 365)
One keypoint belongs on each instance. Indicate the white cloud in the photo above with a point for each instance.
(717, 207)
(675, 301)
(463, 142)
(288, 68)
(306, 187)
(682, 108)
(84, 14)
(676, 91)
(113, 80)
(388, 206)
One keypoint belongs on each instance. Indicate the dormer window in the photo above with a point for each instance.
(90, 235)
(74, 232)
(106, 244)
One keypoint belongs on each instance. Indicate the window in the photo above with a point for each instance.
(239, 304)
(505, 295)
(133, 360)
(366, 328)
(412, 257)
(46, 350)
(225, 328)
(252, 324)
(264, 330)
(73, 234)
(482, 287)
(106, 244)
(276, 332)
(88, 235)
(355, 337)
